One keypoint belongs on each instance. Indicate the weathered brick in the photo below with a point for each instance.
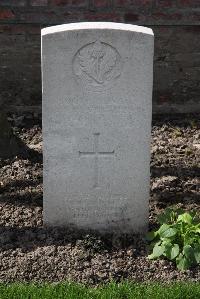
(39, 17)
(79, 3)
(163, 18)
(193, 17)
(112, 17)
(69, 17)
(176, 65)
(60, 2)
(4, 28)
(142, 4)
(33, 29)
(101, 3)
(192, 30)
(8, 40)
(13, 29)
(38, 2)
(12, 3)
(6, 14)
(188, 3)
(121, 3)
(70, 3)
(131, 17)
(186, 60)
(165, 3)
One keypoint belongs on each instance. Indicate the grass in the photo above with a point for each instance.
(111, 291)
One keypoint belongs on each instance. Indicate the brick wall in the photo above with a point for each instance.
(176, 24)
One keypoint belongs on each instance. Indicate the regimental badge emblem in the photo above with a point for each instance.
(97, 64)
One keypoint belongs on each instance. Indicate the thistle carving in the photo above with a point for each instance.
(97, 63)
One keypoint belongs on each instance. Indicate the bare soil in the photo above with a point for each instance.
(31, 252)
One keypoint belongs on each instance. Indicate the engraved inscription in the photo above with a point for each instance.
(97, 64)
(96, 153)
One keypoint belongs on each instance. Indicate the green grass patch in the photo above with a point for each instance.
(110, 291)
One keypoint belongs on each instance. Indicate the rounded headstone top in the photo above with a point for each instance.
(96, 25)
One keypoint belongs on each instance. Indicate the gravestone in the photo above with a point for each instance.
(97, 98)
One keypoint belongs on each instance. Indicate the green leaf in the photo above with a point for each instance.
(166, 217)
(186, 218)
(166, 242)
(179, 232)
(168, 233)
(158, 250)
(195, 228)
(182, 262)
(151, 235)
(163, 228)
(167, 249)
(163, 218)
(174, 251)
(179, 211)
(151, 256)
(171, 251)
(197, 253)
(187, 238)
(189, 253)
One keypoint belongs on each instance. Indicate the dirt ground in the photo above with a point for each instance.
(29, 251)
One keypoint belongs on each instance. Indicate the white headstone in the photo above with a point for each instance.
(97, 98)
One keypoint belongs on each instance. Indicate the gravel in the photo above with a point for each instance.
(31, 252)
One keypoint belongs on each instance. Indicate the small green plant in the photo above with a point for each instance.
(177, 239)
(177, 133)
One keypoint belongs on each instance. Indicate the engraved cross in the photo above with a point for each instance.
(96, 153)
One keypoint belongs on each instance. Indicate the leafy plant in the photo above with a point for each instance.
(177, 239)
(177, 133)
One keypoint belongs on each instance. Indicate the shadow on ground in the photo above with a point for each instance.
(30, 238)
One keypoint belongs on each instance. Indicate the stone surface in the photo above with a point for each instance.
(97, 94)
